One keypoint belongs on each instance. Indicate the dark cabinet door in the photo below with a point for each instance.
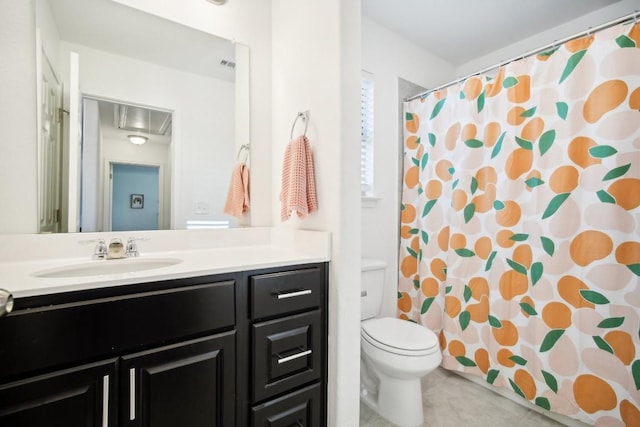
(190, 384)
(82, 396)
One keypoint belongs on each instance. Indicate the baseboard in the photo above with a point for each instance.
(562, 419)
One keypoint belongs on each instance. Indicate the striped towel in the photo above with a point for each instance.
(238, 196)
(298, 192)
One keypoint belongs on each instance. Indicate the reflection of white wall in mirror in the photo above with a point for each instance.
(203, 120)
(72, 140)
(48, 31)
(246, 21)
(243, 132)
(91, 168)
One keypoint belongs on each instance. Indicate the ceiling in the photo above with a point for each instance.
(116, 28)
(460, 31)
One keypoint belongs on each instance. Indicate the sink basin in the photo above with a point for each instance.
(97, 268)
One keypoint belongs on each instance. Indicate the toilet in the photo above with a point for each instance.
(395, 355)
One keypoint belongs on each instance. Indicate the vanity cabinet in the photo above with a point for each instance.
(136, 355)
(233, 349)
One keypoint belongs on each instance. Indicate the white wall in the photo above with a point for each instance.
(203, 121)
(316, 67)
(388, 57)
(18, 165)
(568, 29)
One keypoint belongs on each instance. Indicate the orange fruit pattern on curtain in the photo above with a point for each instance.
(520, 226)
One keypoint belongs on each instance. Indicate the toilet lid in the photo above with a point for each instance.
(399, 336)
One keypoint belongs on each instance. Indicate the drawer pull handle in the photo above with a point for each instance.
(294, 356)
(294, 294)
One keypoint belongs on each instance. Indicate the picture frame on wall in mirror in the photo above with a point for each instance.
(137, 201)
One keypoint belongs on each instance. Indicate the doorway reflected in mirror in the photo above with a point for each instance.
(117, 174)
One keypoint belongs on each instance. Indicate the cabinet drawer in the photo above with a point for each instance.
(301, 408)
(45, 337)
(285, 292)
(287, 353)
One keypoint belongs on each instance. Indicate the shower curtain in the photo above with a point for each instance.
(520, 226)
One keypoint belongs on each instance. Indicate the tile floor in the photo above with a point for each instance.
(461, 403)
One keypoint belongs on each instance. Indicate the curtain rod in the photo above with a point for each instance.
(631, 16)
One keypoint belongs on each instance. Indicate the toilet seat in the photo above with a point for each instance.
(399, 336)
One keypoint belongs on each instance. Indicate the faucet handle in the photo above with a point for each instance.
(132, 246)
(100, 250)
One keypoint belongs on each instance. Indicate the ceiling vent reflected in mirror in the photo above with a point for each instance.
(227, 63)
(139, 119)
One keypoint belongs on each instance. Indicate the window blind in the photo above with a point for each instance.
(366, 136)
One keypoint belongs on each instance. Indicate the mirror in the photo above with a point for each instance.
(100, 62)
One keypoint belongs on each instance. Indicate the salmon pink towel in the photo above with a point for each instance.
(238, 196)
(298, 192)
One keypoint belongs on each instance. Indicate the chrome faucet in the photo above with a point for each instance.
(116, 249)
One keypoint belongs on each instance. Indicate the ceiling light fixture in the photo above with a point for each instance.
(137, 139)
(218, 2)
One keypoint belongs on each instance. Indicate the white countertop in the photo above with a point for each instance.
(199, 252)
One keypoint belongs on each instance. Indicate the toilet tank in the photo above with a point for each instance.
(372, 287)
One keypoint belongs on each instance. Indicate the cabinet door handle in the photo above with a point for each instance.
(132, 394)
(294, 294)
(294, 356)
(105, 401)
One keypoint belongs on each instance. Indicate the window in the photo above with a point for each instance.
(366, 135)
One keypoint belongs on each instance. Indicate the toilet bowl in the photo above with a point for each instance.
(395, 355)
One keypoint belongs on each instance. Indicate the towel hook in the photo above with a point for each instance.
(243, 147)
(304, 115)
